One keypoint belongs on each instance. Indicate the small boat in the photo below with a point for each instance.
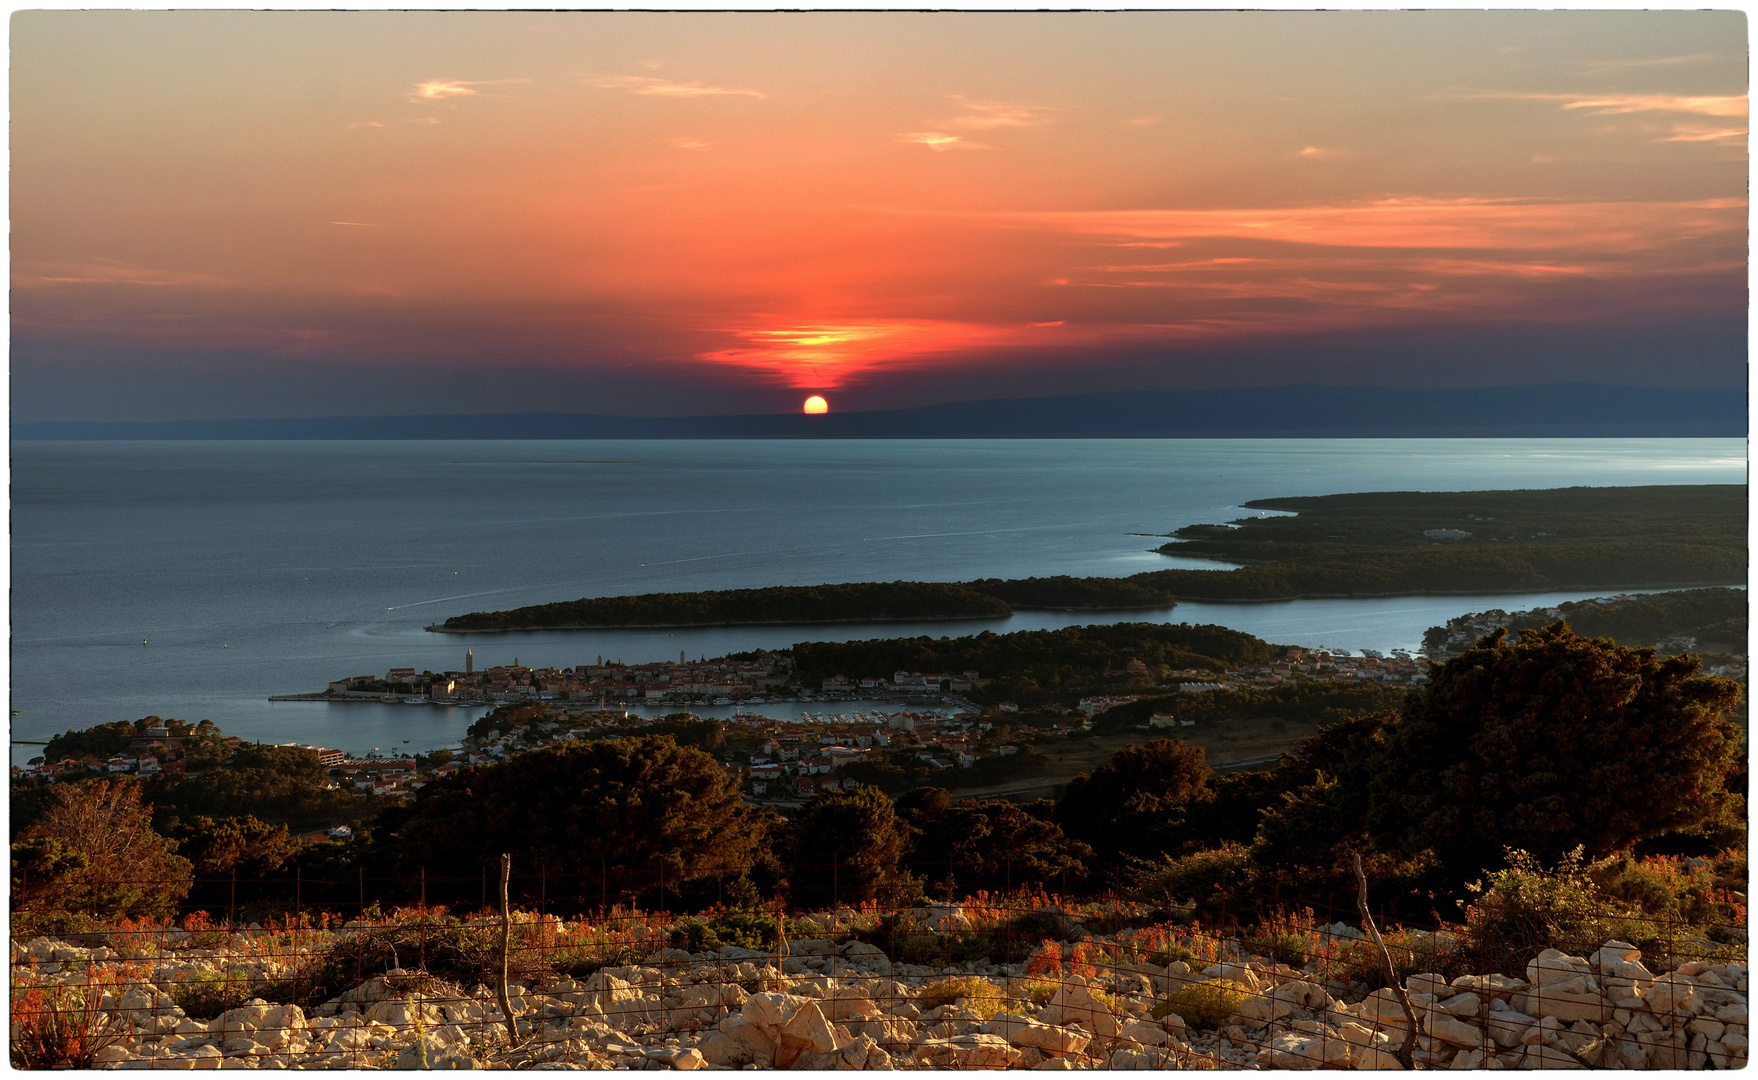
(414, 701)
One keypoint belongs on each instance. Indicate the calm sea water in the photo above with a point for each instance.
(251, 569)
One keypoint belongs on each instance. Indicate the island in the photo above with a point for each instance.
(895, 601)
(1372, 544)
(1408, 543)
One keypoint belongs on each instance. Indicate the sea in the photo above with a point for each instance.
(196, 579)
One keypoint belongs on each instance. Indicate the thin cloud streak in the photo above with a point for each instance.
(653, 86)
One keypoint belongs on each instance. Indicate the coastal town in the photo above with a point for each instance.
(928, 717)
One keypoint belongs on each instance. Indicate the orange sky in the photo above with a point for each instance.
(688, 212)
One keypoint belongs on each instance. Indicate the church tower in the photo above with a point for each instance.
(469, 662)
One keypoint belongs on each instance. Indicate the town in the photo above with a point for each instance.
(921, 721)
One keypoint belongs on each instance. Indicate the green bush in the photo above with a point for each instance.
(1525, 909)
(1209, 879)
(1204, 1005)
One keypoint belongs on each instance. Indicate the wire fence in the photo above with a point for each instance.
(645, 966)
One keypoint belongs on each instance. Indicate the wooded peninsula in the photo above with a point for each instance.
(1394, 543)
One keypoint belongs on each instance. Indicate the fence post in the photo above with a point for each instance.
(506, 941)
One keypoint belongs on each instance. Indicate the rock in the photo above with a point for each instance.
(866, 956)
(1075, 1003)
(1464, 1006)
(1549, 1057)
(1137, 1061)
(1566, 1005)
(1428, 983)
(1671, 994)
(969, 1052)
(738, 1042)
(1456, 1032)
(1507, 1027)
(1021, 1032)
(676, 1057)
(1144, 1033)
(1551, 968)
(1294, 1050)
(805, 1030)
(430, 1053)
(1239, 973)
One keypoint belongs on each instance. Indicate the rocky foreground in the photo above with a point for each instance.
(824, 1005)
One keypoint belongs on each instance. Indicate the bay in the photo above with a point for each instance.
(196, 579)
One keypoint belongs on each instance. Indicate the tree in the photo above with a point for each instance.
(990, 844)
(217, 847)
(626, 816)
(100, 856)
(1548, 743)
(1136, 804)
(848, 846)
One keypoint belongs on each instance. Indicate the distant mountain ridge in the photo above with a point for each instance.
(1560, 410)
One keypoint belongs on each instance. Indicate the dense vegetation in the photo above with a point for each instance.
(582, 809)
(1306, 702)
(875, 602)
(1715, 618)
(1037, 662)
(281, 785)
(1373, 544)
(895, 601)
(1562, 747)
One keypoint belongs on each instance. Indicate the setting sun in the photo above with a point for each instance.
(816, 405)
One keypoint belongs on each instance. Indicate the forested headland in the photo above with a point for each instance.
(1400, 543)
(1388, 543)
(893, 601)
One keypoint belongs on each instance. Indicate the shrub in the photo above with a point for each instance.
(61, 1027)
(1209, 879)
(984, 998)
(1204, 1005)
(1526, 908)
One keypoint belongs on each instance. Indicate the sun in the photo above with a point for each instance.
(816, 405)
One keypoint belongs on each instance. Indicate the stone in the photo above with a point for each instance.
(677, 1057)
(738, 1042)
(1614, 952)
(1075, 1003)
(977, 1051)
(1296, 1050)
(1565, 1005)
(1671, 994)
(1023, 1032)
(1551, 967)
(1549, 1057)
(430, 1053)
(1507, 1027)
(1465, 1006)
(805, 1030)
(1456, 1032)
(1468, 1059)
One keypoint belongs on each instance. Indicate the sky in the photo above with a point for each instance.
(236, 214)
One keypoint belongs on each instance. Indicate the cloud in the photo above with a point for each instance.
(111, 272)
(939, 140)
(683, 143)
(980, 115)
(657, 87)
(1686, 132)
(1599, 67)
(357, 125)
(1318, 152)
(440, 89)
(824, 356)
(1142, 121)
(1625, 104)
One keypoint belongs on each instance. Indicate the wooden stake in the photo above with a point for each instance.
(506, 942)
(1405, 1051)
